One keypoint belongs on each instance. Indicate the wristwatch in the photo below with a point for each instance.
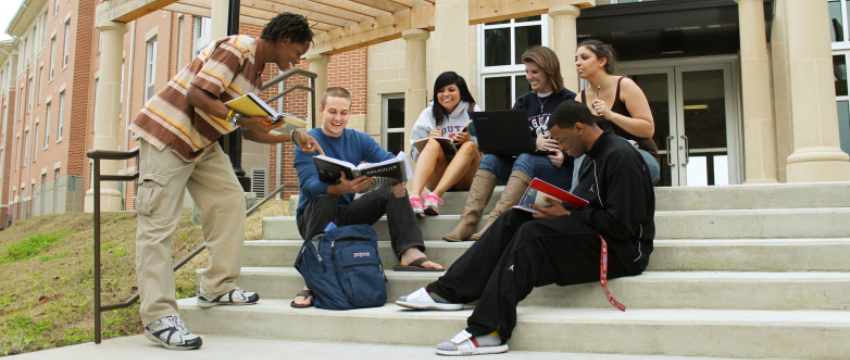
(234, 119)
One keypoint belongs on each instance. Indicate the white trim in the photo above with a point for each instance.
(152, 33)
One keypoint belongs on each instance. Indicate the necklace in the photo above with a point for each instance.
(542, 102)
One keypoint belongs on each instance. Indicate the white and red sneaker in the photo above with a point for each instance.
(416, 203)
(465, 344)
(431, 203)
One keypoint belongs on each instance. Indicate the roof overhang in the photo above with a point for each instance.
(26, 14)
(340, 25)
(6, 48)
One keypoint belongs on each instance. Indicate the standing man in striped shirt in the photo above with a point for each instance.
(178, 128)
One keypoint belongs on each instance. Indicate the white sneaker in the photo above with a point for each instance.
(171, 333)
(432, 202)
(464, 344)
(236, 296)
(416, 204)
(421, 300)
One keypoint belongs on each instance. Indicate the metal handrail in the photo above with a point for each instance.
(98, 155)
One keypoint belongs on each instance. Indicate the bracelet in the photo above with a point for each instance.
(293, 136)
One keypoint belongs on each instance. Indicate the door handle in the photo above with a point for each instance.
(669, 155)
(687, 150)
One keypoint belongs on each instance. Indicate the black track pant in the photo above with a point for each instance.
(517, 254)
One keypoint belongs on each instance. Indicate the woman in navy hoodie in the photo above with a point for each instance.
(447, 117)
(543, 72)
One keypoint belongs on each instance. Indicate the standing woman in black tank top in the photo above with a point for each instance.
(616, 101)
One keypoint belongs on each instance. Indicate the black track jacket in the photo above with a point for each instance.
(615, 180)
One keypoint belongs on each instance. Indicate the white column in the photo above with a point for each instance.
(319, 65)
(565, 41)
(817, 154)
(218, 19)
(106, 122)
(451, 23)
(759, 125)
(415, 93)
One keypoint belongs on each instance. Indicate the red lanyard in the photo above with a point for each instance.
(603, 276)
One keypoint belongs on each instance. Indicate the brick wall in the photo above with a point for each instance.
(7, 113)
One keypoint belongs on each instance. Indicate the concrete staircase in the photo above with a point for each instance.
(738, 271)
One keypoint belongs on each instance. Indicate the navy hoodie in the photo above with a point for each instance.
(538, 121)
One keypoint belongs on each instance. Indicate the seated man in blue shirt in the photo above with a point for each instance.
(320, 203)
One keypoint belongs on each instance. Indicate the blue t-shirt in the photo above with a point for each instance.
(538, 121)
(353, 146)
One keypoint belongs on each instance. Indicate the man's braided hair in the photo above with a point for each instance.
(288, 26)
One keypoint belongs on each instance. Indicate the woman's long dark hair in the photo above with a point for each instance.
(445, 79)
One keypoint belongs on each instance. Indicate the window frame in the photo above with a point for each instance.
(150, 67)
(385, 120)
(47, 107)
(504, 70)
(52, 56)
(65, 52)
(61, 119)
(201, 40)
(843, 98)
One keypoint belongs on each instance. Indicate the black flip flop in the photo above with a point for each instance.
(416, 265)
(306, 294)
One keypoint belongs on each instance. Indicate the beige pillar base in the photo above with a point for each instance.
(565, 42)
(819, 171)
(110, 200)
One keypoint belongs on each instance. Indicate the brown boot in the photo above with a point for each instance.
(517, 184)
(479, 195)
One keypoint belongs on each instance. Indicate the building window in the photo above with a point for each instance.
(43, 193)
(61, 116)
(839, 62)
(180, 42)
(121, 92)
(150, 69)
(31, 94)
(56, 190)
(44, 29)
(47, 127)
(501, 45)
(40, 80)
(35, 144)
(55, 7)
(34, 41)
(67, 42)
(94, 104)
(26, 147)
(393, 122)
(25, 49)
(202, 34)
(52, 56)
(837, 21)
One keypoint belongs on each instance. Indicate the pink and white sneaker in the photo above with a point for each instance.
(416, 203)
(431, 203)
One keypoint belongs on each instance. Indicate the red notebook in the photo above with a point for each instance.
(539, 190)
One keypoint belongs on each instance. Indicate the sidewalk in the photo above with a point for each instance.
(215, 347)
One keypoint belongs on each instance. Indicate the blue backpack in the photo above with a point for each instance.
(343, 269)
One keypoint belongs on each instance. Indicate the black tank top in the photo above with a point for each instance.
(619, 107)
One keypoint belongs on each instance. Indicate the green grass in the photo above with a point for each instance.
(47, 277)
(31, 246)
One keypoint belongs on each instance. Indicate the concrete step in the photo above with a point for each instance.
(718, 255)
(681, 289)
(691, 332)
(777, 196)
(223, 347)
(702, 224)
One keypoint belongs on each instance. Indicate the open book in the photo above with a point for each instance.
(251, 105)
(447, 144)
(539, 190)
(385, 173)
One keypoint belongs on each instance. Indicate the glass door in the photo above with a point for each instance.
(695, 113)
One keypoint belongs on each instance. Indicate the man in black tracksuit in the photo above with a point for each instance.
(522, 251)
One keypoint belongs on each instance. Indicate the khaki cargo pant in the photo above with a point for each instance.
(221, 202)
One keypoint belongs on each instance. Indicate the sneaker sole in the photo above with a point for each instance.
(207, 305)
(483, 350)
(436, 306)
(431, 212)
(173, 347)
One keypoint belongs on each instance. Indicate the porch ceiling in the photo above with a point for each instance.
(340, 25)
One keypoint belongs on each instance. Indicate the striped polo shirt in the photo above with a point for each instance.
(227, 68)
